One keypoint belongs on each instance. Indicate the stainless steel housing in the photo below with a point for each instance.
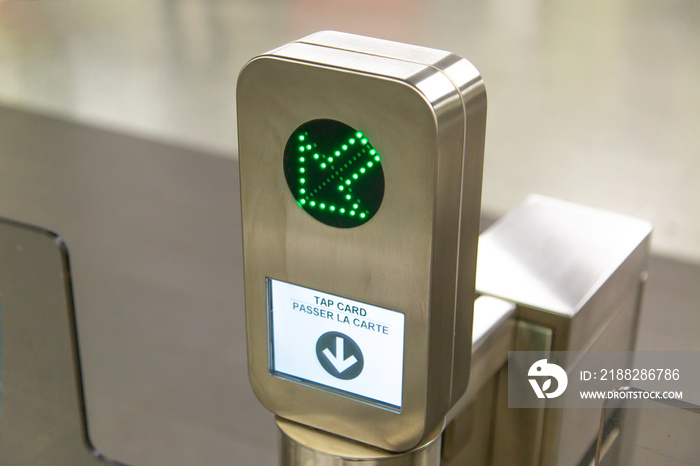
(576, 275)
(552, 276)
(425, 111)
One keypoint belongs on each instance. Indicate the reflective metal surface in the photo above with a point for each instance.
(468, 437)
(493, 335)
(42, 417)
(572, 277)
(518, 434)
(492, 338)
(302, 446)
(579, 273)
(468, 82)
(554, 255)
(430, 132)
(154, 232)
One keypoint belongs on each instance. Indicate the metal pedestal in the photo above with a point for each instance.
(302, 445)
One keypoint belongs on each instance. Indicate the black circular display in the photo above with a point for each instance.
(339, 355)
(334, 173)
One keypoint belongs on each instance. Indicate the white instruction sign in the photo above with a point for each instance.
(323, 339)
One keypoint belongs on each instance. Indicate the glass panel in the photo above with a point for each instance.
(41, 404)
(637, 433)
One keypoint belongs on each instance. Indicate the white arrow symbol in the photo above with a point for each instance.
(338, 360)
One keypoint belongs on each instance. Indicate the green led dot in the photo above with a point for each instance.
(377, 158)
(337, 177)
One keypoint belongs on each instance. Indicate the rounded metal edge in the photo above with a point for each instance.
(302, 445)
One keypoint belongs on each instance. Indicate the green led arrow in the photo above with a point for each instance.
(334, 173)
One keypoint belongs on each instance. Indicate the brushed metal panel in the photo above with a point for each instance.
(579, 273)
(42, 412)
(303, 446)
(154, 232)
(372, 46)
(554, 255)
(518, 433)
(415, 117)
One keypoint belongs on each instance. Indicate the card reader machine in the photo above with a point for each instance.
(360, 165)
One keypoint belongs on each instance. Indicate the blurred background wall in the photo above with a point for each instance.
(595, 102)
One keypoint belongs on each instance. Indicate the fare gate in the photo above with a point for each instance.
(376, 334)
